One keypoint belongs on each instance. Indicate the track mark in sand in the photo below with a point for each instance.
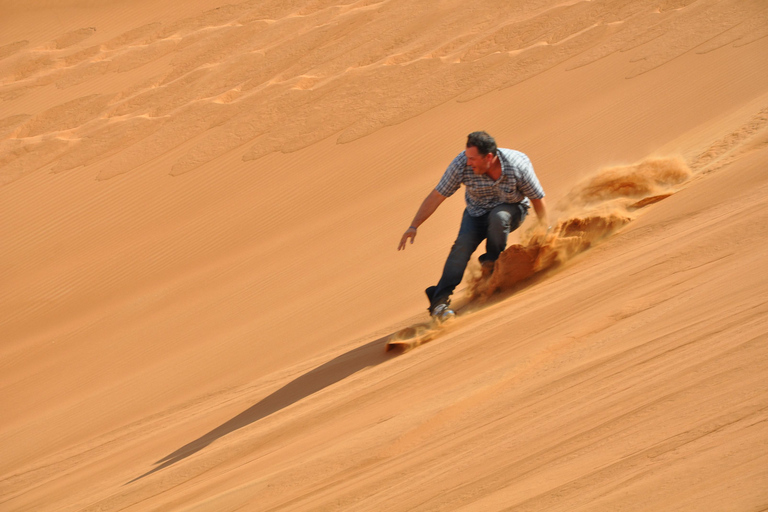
(748, 137)
(656, 37)
(66, 116)
(11, 48)
(107, 141)
(31, 142)
(744, 33)
(142, 34)
(84, 55)
(9, 124)
(688, 29)
(72, 38)
(26, 65)
(345, 69)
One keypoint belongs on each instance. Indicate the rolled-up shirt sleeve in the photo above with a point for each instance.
(451, 180)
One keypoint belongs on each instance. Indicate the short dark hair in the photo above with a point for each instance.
(483, 142)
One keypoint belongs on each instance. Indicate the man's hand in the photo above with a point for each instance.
(411, 233)
(426, 209)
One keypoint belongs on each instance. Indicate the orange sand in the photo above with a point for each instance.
(201, 204)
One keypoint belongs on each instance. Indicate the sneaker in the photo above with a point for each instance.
(442, 312)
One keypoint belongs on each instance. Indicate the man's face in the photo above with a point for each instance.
(480, 164)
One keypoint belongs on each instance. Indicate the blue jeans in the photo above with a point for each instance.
(494, 227)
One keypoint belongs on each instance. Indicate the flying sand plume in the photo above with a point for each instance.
(593, 210)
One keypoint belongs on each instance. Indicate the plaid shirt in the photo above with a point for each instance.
(517, 182)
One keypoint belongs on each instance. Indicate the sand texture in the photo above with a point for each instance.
(201, 204)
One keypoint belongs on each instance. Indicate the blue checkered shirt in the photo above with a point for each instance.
(517, 182)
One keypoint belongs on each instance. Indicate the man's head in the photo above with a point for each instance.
(484, 143)
(480, 152)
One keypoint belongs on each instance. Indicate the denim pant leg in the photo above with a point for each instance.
(502, 220)
(473, 231)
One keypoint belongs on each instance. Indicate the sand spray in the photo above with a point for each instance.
(594, 209)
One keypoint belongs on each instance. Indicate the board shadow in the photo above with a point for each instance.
(335, 370)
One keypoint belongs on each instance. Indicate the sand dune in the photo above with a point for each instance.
(201, 204)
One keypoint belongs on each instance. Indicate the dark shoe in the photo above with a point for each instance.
(487, 268)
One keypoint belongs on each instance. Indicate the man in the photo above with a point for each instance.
(499, 185)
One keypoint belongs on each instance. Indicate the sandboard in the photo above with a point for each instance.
(412, 336)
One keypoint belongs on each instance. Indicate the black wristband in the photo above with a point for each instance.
(414, 227)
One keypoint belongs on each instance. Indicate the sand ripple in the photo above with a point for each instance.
(271, 77)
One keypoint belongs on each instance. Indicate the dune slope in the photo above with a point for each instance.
(201, 205)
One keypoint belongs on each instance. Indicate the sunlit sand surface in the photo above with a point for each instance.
(201, 204)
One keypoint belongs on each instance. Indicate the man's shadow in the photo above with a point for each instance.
(333, 371)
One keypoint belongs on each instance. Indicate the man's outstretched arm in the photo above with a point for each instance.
(426, 209)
